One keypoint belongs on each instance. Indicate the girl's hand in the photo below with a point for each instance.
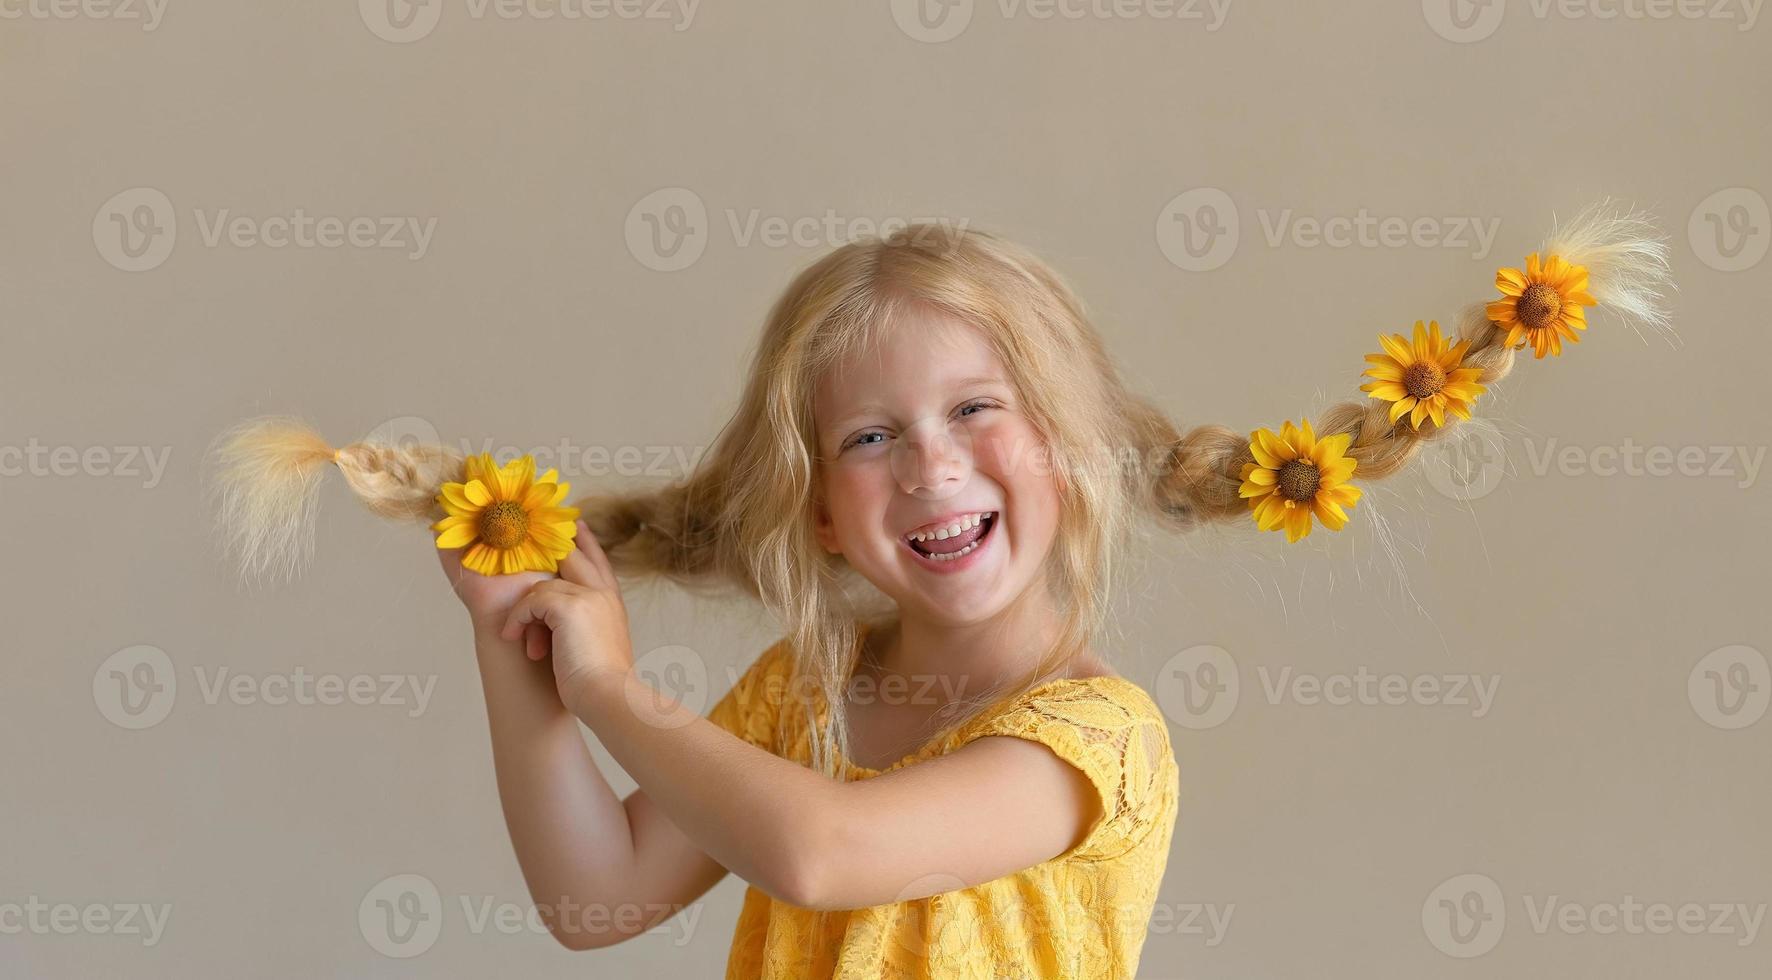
(489, 598)
(583, 612)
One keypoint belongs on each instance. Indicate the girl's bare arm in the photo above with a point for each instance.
(992, 808)
(580, 846)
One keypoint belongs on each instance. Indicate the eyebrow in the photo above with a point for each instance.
(841, 423)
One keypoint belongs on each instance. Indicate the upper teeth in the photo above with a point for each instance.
(965, 523)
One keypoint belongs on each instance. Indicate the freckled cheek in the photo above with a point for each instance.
(1013, 456)
(1019, 462)
(855, 502)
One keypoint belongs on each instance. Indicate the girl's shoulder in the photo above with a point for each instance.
(1110, 728)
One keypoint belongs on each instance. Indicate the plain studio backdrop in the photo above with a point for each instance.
(1509, 723)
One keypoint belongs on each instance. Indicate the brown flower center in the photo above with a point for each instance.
(504, 524)
(1298, 480)
(1424, 379)
(1539, 305)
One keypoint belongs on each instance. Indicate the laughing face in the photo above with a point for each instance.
(934, 484)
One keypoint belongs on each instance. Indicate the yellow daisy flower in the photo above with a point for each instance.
(1423, 378)
(1543, 305)
(508, 520)
(1295, 475)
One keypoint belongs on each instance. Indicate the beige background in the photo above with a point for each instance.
(1326, 833)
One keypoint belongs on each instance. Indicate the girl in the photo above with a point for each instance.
(933, 470)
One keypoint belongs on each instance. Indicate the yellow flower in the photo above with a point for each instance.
(507, 519)
(1543, 305)
(1424, 377)
(1295, 475)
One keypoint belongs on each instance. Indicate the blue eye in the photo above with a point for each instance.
(961, 412)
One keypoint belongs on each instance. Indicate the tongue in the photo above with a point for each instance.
(953, 544)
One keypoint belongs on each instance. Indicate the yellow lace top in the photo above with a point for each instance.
(1081, 914)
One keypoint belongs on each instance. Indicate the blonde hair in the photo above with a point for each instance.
(743, 518)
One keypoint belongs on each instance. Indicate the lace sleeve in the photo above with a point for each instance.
(750, 708)
(1112, 731)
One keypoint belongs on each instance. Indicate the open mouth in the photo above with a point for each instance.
(934, 548)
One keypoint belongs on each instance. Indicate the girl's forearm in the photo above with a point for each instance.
(757, 814)
(567, 826)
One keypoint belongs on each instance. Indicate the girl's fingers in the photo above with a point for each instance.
(586, 564)
(594, 551)
(577, 568)
(538, 640)
(532, 608)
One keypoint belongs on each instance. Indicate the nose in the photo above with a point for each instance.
(932, 459)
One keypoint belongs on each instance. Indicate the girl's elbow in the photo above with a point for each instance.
(811, 874)
(798, 878)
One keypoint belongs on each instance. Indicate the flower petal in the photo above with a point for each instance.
(457, 536)
(1397, 348)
